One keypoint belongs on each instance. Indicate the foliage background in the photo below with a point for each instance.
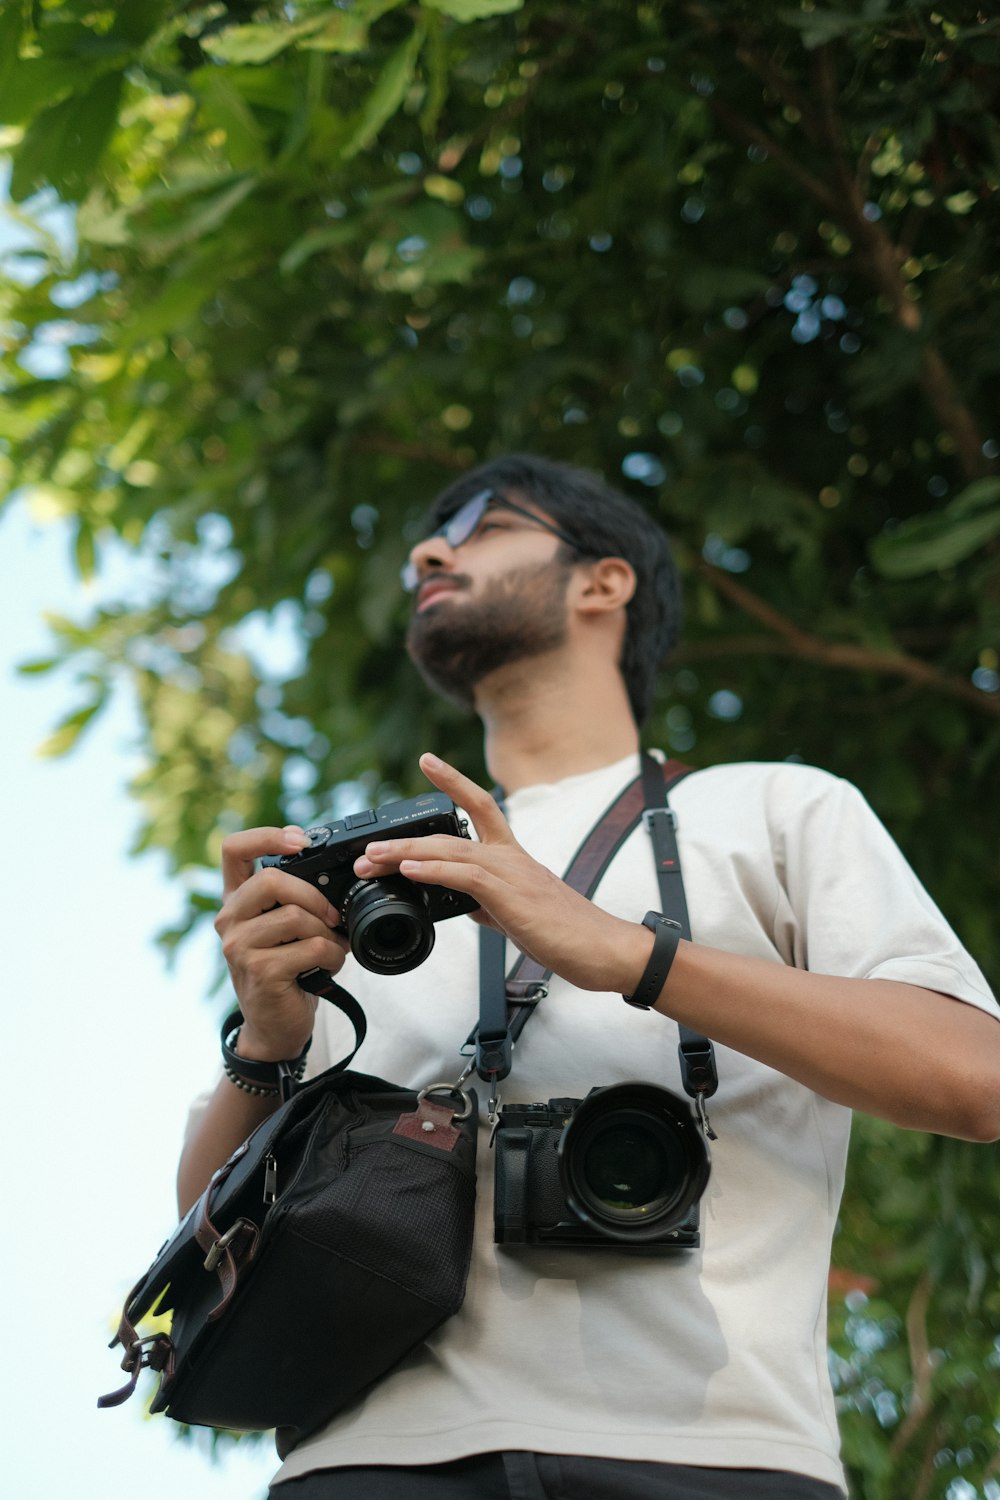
(741, 258)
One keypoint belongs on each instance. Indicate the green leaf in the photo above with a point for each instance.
(436, 73)
(203, 222)
(929, 543)
(85, 551)
(458, 264)
(981, 492)
(258, 43)
(223, 106)
(11, 26)
(69, 730)
(710, 286)
(314, 241)
(35, 84)
(177, 302)
(386, 97)
(346, 32)
(99, 224)
(63, 145)
(473, 10)
(37, 667)
(821, 26)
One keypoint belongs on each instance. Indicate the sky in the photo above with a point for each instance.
(104, 1050)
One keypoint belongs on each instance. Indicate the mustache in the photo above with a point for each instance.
(456, 581)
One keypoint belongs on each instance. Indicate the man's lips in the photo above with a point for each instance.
(434, 589)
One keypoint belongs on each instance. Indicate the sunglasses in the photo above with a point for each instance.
(459, 527)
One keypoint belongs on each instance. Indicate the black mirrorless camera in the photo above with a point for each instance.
(623, 1168)
(389, 920)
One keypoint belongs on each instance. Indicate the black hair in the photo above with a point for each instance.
(605, 523)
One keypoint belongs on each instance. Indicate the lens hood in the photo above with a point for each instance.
(633, 1161)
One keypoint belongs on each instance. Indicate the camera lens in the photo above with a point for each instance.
(632, 1161)
(626, 1166)
(391, 934)
(388, 925)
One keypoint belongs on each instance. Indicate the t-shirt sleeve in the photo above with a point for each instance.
(856, 905)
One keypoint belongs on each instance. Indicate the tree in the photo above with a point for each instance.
(740, 257)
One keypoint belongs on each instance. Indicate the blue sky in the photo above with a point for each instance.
(104, 1048)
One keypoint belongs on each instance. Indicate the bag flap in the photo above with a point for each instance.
(180, 1257)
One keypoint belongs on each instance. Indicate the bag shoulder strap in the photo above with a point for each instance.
(506, 1004)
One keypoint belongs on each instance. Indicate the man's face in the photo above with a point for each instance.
(498, 598)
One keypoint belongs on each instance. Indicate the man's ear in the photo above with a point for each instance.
(603, 586)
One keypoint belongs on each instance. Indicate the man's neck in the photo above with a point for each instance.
(542, 723)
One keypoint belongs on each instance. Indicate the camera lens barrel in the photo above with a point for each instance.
(388, 924)
(633, 1162)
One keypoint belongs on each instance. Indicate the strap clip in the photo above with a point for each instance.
(493, 1057)
(650, 813)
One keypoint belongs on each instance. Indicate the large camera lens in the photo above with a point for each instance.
(633, 1161)
(387, 923)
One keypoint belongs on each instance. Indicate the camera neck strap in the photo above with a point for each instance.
(507, 1001)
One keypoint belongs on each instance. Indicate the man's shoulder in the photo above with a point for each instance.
(793, 779)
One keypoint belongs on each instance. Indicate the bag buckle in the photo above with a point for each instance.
(223, 1243)
(456, 1091)
(154, 1352)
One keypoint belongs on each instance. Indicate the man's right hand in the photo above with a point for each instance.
(274, 927)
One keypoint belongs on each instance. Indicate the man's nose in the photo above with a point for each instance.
(430, 555)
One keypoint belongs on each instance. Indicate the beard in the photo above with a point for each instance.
(518, 616)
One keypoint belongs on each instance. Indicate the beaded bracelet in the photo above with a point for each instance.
(262, 1079)
(249, 1088)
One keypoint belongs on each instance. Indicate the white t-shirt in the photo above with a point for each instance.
(715, 1356)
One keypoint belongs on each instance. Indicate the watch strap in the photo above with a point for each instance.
(666, 937)
(265, 1075)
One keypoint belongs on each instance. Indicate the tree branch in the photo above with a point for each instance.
(445, 458)
(737, 124)
(843, 198)
(920, 1364)
(789, 639)
(884, 262)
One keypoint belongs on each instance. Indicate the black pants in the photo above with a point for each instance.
(545, 1476)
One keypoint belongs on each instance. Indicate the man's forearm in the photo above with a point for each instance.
(230, 1116)
(906, 1054)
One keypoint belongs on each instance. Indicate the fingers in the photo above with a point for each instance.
(384, 856)
(273, 887)
(240, 850)
(487, 819)
(471, 879)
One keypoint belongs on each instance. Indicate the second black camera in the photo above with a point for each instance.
(623, 1168)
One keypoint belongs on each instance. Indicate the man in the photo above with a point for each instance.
(818, 966)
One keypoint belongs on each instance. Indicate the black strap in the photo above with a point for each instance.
(492, 1037)
(506, 1004)
(699, 1075)
(322, 983)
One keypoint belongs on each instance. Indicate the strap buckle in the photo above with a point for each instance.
(650, 813)
(222, 1244)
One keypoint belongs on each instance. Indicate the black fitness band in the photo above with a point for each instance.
(667, 935)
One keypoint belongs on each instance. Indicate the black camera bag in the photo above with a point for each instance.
(335, 1239)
